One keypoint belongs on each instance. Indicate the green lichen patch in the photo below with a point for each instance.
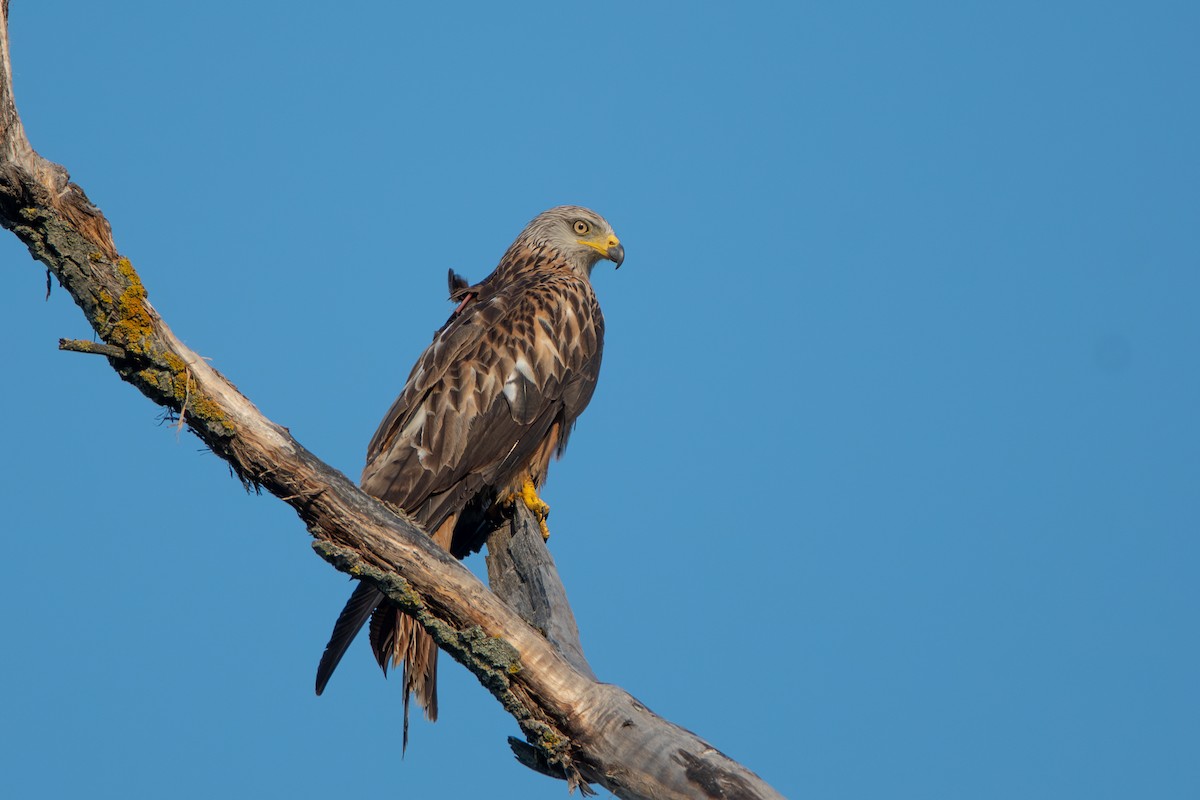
(493, 651)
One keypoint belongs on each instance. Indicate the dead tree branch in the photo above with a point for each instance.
(580, 729)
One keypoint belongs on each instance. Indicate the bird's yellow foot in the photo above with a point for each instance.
(537, 505)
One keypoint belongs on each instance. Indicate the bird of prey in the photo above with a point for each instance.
(487, 404)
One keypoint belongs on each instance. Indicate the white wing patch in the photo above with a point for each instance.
(523, 367)
(518, 386)
(514, 382)
(414, 424)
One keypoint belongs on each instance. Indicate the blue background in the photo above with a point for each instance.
(890, 486)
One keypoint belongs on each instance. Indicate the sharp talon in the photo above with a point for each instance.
(537, 505)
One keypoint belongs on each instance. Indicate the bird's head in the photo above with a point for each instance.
(579, 234)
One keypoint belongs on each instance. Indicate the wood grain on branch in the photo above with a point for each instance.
(579, 728)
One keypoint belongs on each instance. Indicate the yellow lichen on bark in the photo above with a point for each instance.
(133, 324)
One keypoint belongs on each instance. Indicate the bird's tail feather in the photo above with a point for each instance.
(398, 639)
(359, 607)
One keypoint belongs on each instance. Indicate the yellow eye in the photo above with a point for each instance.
(581, 227)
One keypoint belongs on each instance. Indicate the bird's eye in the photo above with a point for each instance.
(581, 227)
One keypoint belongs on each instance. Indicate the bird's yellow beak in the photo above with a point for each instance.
(609, 246)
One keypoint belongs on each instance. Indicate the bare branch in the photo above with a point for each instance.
(85, 346)
(580, 729)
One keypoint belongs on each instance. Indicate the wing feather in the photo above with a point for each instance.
(485, 395)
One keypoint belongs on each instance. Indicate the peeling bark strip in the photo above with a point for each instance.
(579, 729)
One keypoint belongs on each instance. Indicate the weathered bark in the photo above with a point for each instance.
(579, 729)
(522, 572)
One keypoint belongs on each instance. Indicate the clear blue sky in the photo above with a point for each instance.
(891, 486)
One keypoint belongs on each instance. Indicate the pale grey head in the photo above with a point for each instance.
(579, 235)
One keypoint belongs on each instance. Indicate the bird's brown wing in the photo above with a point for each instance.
(501, 384)
(511, 369)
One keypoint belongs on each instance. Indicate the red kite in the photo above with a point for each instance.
(488, 403)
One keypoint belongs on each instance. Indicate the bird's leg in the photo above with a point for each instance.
(537, 505)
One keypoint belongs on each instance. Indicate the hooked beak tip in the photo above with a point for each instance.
(616, 254)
